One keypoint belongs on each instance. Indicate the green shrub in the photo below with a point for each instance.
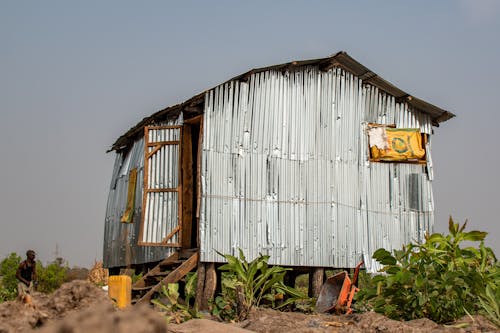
(439, 279)
(7, 294)
(8, 284)
(51, 276)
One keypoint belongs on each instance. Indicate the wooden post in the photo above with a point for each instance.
(200, 286)
(210, 284)
(290, 278)
(187, 187)
(218, 288)
(315, 281)
(206, 285)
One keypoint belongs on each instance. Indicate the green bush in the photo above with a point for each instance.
(439, 279)
(7, 294)
(8, 285)
(51, 276)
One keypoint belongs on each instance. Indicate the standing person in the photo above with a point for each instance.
(26, 274)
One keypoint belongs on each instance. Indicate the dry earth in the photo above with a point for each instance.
(79, 306)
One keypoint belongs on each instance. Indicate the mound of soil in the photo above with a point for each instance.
(79, 306)
(71, 297)
(105, 318)
(267, 321)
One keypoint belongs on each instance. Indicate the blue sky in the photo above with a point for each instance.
(75, 75)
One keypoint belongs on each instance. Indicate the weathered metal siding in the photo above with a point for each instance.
(285, 171)
(120, 239)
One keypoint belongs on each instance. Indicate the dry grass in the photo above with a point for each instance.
(98, 274)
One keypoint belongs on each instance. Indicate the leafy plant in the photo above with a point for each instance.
(248, 284)
(490, 304)
(438, 279)
(136, 277)
(225, 305)
(7, 294)
(178, 312)
(296, 297)
(8, 284)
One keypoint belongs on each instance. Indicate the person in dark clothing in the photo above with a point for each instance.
(26, 274)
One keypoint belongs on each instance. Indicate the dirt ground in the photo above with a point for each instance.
(79, 306)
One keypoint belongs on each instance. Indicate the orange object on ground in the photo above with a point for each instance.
(337, 292)
(120, 290)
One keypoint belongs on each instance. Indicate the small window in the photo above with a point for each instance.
(415, 184)
(390, 144)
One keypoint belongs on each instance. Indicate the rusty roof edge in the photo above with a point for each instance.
(339, 59)
(437, 114)
(123, 141)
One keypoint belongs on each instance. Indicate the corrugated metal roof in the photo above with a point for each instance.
(340, 59)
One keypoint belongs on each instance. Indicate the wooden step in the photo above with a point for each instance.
(186, 253)
(158, 268)
(159, 274)
(173, 277)
(171, 263)
(141, 288)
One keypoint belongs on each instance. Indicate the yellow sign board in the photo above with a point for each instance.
(400, 144)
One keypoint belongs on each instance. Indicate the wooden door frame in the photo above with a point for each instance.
(147, 154)
(191, 214)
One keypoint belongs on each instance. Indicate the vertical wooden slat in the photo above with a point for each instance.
(198, 181)
(187, 187)
(145, 182)
(179, 190)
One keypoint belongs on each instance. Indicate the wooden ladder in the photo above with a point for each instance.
(169, 270)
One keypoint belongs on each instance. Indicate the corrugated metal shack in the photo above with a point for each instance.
(275, 161)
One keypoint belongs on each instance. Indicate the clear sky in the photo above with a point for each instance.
(76, 75)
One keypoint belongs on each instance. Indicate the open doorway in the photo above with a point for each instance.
(191, 168)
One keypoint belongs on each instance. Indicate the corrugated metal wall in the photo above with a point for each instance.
(285, 171)
(120, 239)
(161, 214)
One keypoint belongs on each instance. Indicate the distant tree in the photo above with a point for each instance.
(8, 285)
(52, 276)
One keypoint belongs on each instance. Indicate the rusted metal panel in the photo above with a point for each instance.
(285, 171)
